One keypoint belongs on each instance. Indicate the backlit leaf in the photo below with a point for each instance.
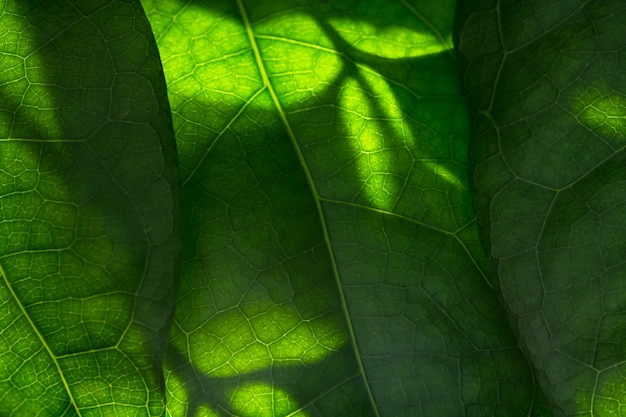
(89, 235)
(331, 261)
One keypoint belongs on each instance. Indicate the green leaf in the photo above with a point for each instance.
(546, 81)
(274, 208)
(89, 234)
(331, 259)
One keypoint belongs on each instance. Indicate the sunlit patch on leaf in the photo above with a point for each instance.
(411, 34)
(609, 398)
(444, 173)
(380, 164)
(231, 344)
(606, 114)
(262, 400)
(204, 411)
(178, 395)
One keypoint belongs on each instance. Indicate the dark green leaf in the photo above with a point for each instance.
(547, 82)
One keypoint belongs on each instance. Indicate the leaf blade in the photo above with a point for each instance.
(545, 130)
(324, 89)
(89, 247)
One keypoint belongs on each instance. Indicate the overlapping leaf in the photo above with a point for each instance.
(88, 203)
(331, 262)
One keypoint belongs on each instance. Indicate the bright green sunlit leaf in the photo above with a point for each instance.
(606, 114)
(260, 400)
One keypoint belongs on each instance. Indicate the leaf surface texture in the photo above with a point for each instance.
(89, 205)
(550, 179)
(331, 259)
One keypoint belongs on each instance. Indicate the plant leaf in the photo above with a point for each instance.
(546, 80)
(331, 259)
(90, 239)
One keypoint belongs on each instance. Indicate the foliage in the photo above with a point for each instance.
(273, 208)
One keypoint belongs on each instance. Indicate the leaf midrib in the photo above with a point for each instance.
(314, 191)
